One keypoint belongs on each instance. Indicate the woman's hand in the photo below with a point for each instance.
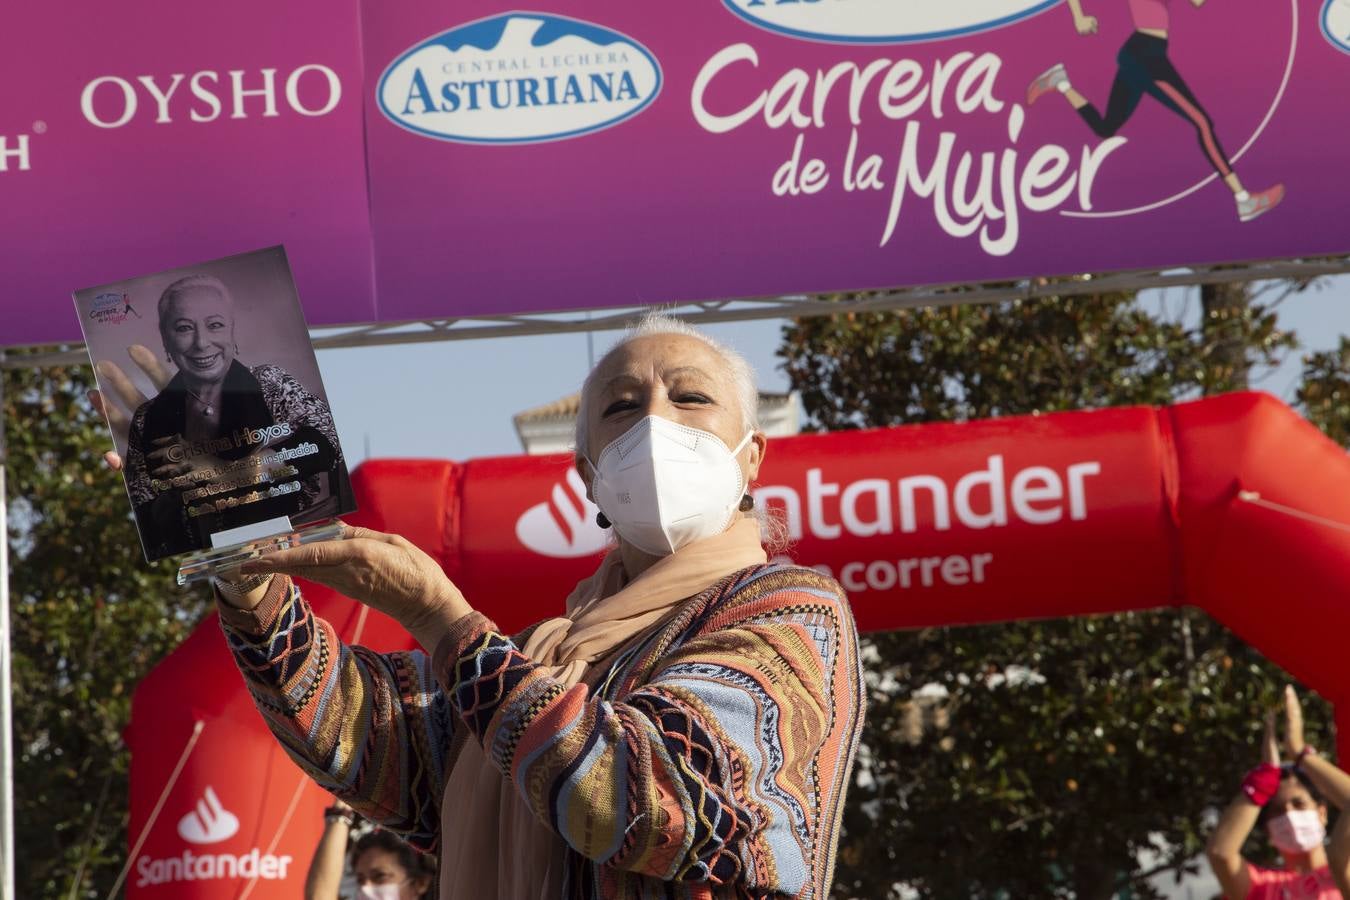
(1293, 723)
(1270, 746)
(383, 571)
(1085, 24)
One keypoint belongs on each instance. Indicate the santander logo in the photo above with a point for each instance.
(209, 822)
(518, 78)
(564, 526)
(883, 21)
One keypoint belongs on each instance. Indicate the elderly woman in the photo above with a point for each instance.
(188, 435)
(687, 729)
(1290, 800)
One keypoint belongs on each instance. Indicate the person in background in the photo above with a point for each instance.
(324, 879)
(386, 868)
(1290, 801)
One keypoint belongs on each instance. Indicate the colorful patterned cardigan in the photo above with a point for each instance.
(714, 755)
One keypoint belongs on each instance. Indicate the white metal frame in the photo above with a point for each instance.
(778, 307)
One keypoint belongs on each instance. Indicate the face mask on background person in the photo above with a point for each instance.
(378, 892)
(663, 485)
(1297, 831)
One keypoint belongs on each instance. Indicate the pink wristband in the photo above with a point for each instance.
(1261, 783)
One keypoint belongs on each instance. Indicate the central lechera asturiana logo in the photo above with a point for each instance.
(519, 78)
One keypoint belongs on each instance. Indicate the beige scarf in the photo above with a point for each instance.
(492, 846)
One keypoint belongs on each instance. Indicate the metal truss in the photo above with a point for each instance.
(779, 307)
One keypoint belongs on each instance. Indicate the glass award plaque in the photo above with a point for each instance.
(216, 406)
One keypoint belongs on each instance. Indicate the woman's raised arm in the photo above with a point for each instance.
(370, 727)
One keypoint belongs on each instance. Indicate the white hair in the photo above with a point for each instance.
(190, 283)
(742, 373)
(772, 527)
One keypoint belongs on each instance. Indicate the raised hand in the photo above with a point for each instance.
(1293, 723)
(1270, 746)
(383, 571)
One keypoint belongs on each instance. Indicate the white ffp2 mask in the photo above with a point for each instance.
(663, 485)
(379, 892)
(1297, 831)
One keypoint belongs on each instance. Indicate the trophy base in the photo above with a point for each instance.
(204, 564)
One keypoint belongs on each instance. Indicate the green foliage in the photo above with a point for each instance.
(90, 618)
(1043, 758)
(1325, 392)
(966, 362)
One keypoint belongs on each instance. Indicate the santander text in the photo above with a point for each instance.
(983, 498)
(191, 866)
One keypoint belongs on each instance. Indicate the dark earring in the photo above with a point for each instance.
(601, 520)
(747, 503)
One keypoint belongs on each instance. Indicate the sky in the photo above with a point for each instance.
(455, 399)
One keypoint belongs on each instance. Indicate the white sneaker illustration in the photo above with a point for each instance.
(209, 823)
(1260, 203)
(563, 527)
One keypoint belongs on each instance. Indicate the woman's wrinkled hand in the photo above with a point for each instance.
(383, 571)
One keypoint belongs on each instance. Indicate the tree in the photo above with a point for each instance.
(89, 619)
(1325, 392)
(1068, 758)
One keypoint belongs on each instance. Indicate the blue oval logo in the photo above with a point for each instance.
(1336, 24)
(883, 21)
(518, 78)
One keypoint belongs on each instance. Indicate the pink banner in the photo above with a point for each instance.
(788, 147)
(602, 153)
(137, 140)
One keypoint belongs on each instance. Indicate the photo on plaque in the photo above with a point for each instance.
(215, 403)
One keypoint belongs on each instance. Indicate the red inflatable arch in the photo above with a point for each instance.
(1233, 504)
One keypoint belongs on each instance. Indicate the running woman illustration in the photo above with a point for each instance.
(1143, 68)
